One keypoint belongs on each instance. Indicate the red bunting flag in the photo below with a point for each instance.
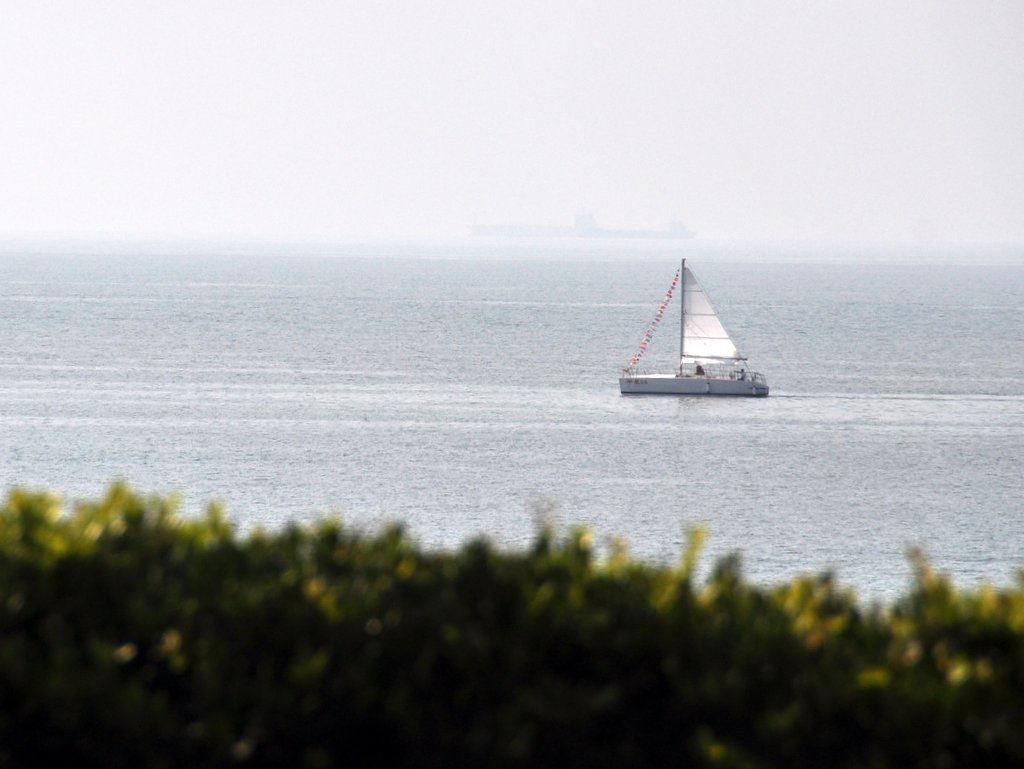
(649, 333)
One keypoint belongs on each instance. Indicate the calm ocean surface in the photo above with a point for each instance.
(460, 389)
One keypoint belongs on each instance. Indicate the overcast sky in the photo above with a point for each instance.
(842, 121)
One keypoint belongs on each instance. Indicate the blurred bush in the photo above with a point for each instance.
(130, 637)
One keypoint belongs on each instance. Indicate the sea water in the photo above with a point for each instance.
(471, 390)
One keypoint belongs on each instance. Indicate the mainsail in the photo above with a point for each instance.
(704, 338)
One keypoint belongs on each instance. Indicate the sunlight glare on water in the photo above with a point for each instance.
(460, 392)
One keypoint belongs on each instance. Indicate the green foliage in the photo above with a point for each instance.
(132, 637)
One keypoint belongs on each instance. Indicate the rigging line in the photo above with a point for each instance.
(653, 325)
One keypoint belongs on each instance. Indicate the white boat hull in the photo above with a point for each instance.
(670, 384)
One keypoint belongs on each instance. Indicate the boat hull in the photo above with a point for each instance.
(670, 384)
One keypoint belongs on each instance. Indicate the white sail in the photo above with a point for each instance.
(704, 336)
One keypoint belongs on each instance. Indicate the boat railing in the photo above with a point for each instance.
(719, 371)
(631, 372)
(691, 371)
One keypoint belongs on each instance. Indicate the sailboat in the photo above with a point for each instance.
(709, 363)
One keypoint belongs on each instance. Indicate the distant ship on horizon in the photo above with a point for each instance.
(584, 226)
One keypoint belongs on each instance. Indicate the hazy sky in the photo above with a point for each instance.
(836, 121)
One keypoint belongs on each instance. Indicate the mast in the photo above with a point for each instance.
(682, 310)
